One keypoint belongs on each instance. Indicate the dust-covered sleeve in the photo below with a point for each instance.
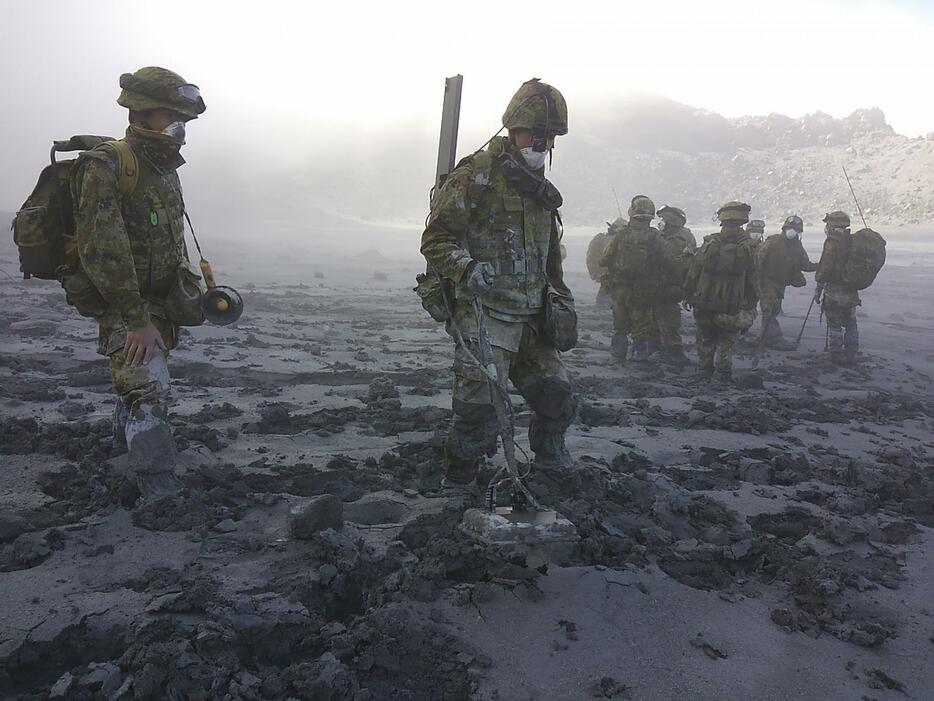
(825, 265)
(103, 245)
(443, 241)
(554, 267)
(805, 265)
(752, 285)
(608, 257)
(692, 279)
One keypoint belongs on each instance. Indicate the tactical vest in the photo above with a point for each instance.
(512, 231)
(153, 216)
(779, 260)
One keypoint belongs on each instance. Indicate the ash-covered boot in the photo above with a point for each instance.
(835, 345)
(120, 415)
(152, 452)
(619, 346)
(640, 350)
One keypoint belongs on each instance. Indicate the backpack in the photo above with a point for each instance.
(44, 227)
(864, 259)
(637, 256)
(722, 281)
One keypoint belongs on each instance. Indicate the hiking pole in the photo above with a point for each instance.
(853, 192)
(806, 317)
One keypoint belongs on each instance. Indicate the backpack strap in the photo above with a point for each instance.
(127, 166)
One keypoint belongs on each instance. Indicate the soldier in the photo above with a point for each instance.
(673, 225)
(594, 253)
(781, 262)
(131, 246)
(632, 259)
(839, 299)
(494, 233)
(679, 247)
(756, 231)
(722, 290)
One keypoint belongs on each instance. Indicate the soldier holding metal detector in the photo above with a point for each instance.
(495, 278)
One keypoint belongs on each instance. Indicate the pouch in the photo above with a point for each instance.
(183, 303)
(81, 294)
(560, 325)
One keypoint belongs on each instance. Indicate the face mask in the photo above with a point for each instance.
(176, 132)
(791, 234)
(534, 159)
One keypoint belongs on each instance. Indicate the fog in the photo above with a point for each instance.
(320, 115)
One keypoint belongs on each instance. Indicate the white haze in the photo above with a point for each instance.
(296, 91)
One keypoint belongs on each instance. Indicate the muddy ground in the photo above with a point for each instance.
(768, 541)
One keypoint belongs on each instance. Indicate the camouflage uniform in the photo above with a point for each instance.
(781, 262)
(724, 302)
(631, 259)
(839, 300)
(130, 246)
(679, 246)
(594, 253)
(479, 215)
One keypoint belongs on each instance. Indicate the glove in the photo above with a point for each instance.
(480, 278)
(687, 306)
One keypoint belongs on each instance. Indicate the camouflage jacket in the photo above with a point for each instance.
(830, 271)
(129, 245)
(478, 215)
(685, 235)
(641, 265)
(781, 261)
(724, 285)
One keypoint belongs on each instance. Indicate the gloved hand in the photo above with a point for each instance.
(480, 277)
(687, 306)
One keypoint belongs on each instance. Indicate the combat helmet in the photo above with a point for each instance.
(641, 207)
(734, 211)
(667, 208)
(794, 222)
(154, 88)
(837, 220)
(539, 107)
(756, 226)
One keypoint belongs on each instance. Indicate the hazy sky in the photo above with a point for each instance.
(281, 78)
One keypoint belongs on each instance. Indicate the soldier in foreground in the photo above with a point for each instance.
(594, 253)
(132, 257)
(721, 286)
(782, 261)
(494, 233)
(633, 260)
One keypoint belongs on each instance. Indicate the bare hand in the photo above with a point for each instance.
(140, 346)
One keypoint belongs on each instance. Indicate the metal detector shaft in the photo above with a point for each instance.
(806, 317)
(853, 192)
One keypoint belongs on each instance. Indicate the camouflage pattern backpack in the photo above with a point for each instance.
(724, 262)
(864, 260)
(44, 227)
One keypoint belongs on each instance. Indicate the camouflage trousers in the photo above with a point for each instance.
(141, 411)
(537, 372)
(770, 299)
(842, 329)
(714, 341)
(665, 330)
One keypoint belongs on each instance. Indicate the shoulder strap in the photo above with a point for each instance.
(127, 166)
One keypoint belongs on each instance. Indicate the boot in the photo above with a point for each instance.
(851, 345)
(152, 453)
(640, 350)
(548, 446)
(774, 338)
(458, 470)
(675, 357)
(705, 373)
(835, 345)
(724, 376)
(120, 415)
(619, 346)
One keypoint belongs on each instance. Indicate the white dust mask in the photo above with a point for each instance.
(534, 159)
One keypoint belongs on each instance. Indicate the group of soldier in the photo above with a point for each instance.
(492, 242)
(648, 275)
